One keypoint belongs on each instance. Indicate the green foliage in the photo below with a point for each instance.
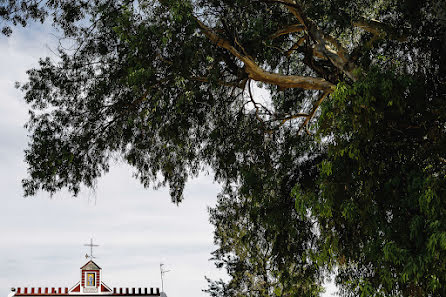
(362, 199)
(381, 183)
(263, 251)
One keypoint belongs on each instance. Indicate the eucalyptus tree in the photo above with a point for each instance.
(350, 142)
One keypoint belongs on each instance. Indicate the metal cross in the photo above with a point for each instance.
(91, 245)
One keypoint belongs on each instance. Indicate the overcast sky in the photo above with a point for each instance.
(42, 238)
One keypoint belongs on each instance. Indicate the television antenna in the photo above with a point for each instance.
(162, 271)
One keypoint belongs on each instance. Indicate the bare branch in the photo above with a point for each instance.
(256, 106)
(296, 45)
(379, 29)
(255, 72)
(287, 30)
(163, 59)
(293, 8)
(238, 84)
(313, 111)
(292, 117)
(340, 58)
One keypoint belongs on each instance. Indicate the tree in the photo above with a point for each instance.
(353, 134)
(263, 243)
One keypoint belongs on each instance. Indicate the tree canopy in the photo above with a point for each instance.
(340, 171)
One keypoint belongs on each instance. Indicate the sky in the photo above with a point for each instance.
(42, 238)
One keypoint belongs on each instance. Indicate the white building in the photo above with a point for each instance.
(90, 285)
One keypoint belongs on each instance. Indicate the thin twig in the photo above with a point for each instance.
(310, 116)
(296, 45)
(294, 116)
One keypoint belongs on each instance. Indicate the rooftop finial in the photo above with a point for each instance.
(91, 245)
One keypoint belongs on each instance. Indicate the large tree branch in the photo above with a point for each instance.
(292, 7)
(287, 30)
(255, 72)
(379, 29)
(339, 58)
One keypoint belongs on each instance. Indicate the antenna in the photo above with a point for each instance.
(162, 271)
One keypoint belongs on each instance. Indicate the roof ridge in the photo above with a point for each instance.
(91, 262)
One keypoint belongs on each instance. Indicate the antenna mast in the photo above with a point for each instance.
(162, 271)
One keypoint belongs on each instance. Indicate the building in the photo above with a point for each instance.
(90, 284)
